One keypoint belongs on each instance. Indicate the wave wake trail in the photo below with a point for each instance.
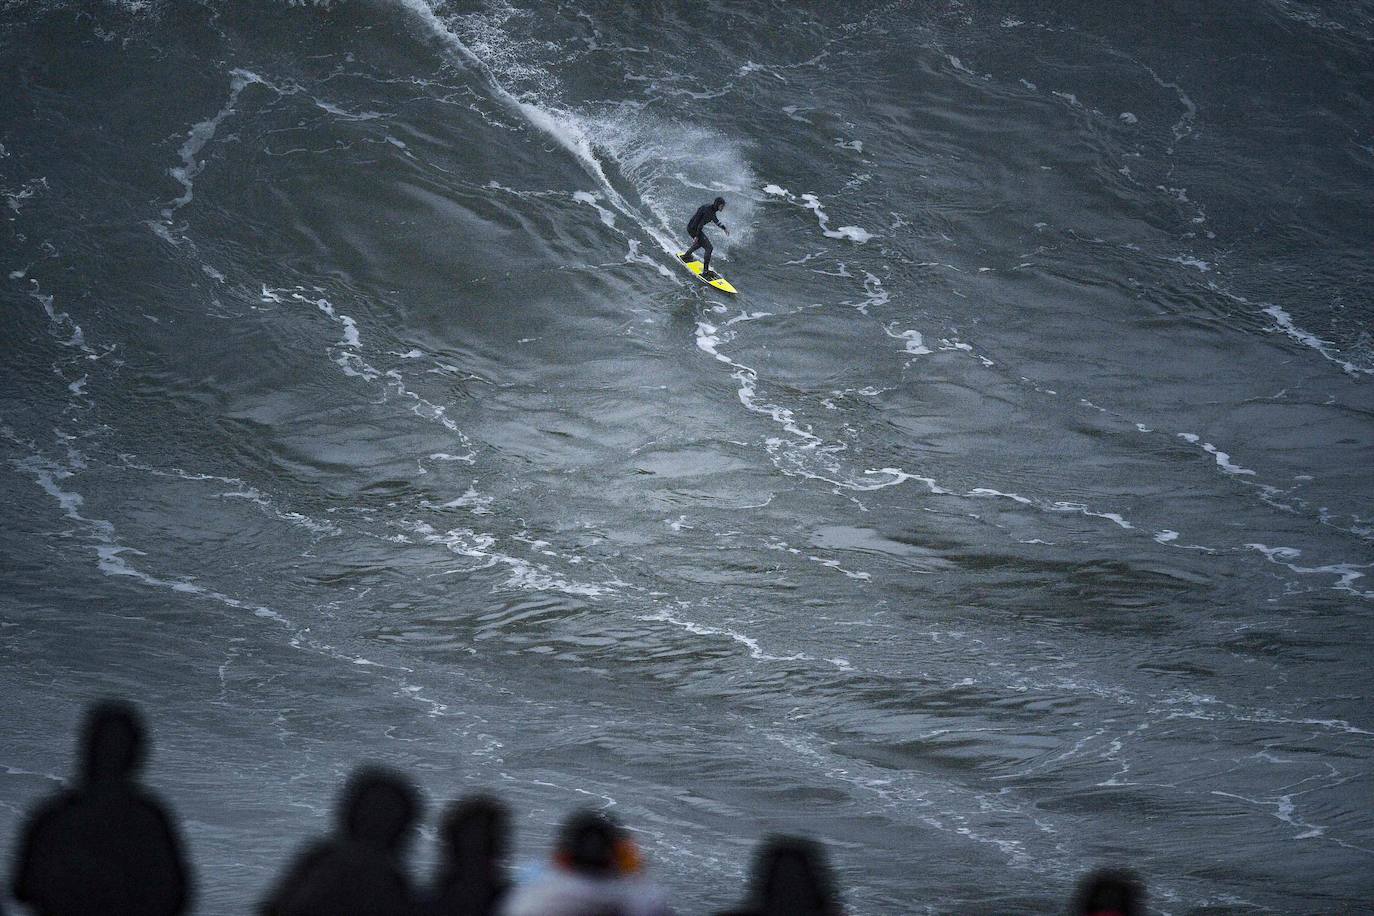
(561, 126)
(667, 164)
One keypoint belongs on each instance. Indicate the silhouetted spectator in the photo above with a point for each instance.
(595, 872)
(106, 845)
(1109, 892)
(361, 868)
(790, 878)
(472, 877)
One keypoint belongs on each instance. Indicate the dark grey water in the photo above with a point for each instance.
(1018, 517)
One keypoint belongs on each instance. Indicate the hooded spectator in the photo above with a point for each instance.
(790, 878)
(1109, 892)
(472, 877)
(106, 845)
(360, 870)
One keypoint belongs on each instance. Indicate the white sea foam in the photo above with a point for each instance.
(240, 490)
(853, 233)
(60, 324)
(827, 562)
(748, 396)
(1171, 539)
(27, 190)
(1278, 554)
(876, 294)
(1055, 506)
(708, 341)
(1284, 323)
(748, 316)
(1184, 125)
(326, 105)
(897, 475)
(1189, 261)
(350, 327)
(585, 197)
(1222, 458)
(812, 202)
(835, 565)
(1346, 573)
(471, 500)
(347, 356)
(522, 574)
(805, 454)
(200, 134)
(109, 552)
(914, 342)
(633, 255)
(1014, 497)
(750, 643)
(1081, 509)
(112, 559)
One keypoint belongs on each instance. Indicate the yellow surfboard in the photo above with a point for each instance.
(719, 282)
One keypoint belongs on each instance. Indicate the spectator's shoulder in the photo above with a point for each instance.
(50, 810)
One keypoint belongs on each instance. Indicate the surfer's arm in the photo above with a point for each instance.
(720, 224)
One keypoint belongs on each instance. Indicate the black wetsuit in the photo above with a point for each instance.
(696, 228)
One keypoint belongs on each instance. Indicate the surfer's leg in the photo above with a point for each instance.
(706, 249)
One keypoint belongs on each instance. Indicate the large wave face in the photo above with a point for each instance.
(1015, 517)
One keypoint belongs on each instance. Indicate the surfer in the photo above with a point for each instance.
(696, 228)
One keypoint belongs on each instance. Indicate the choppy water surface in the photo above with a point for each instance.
(1017, 517)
